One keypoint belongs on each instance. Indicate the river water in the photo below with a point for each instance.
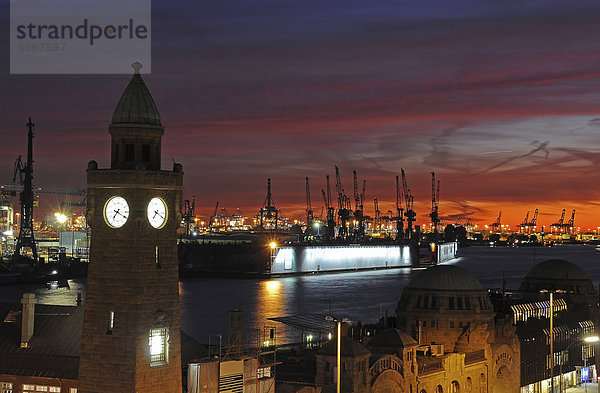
(359, 296)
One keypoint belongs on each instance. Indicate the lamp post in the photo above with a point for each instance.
(339, 348)
(588, 339)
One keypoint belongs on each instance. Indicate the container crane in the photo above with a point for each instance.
(435, 198)
(26, 238)
(358, 208)
(309, 211)
(533, 222)
(571, 224)
(560, 223)
(268, 211)
(211, 220)
(525, 224)
(188, 214)
(343, 204)
(409, 212)
(330, 211)
(496, 225)
(377, 219)
(399, 212)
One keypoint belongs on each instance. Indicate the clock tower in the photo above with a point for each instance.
(131, 328)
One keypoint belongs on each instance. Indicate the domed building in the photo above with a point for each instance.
(575, 312)
(446, 307)
(440, 302)
(563, 277)
(448, 339)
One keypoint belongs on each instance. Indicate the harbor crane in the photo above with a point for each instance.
(571, 224)
(343, 205)
(435, 199)
(496, 225)
(409, 212)
(330, 211)
(26, 237)
(189, 214)
(533, 222)
(559, 225)
(268, 211)
(358, 207)
(309, 211)
(211, 220)
(528, 226)
(525, 224)
(377, 219)
(399, 212)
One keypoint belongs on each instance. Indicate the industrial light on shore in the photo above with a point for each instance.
(61, 218)
(273, 245)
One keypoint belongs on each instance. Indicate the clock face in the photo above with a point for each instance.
(116, 212)
(157, 213)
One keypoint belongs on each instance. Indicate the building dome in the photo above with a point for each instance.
(558, 274)
(136, 105)
(440, 303)
(445, 278)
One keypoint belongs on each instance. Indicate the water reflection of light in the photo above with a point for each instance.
(271, 304)
(180, 289)
(273, 287)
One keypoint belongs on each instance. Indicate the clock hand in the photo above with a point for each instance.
(157, 213)
(116, 212)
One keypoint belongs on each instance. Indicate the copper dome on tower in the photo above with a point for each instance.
(136, 105)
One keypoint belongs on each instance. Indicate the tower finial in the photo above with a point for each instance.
(137, 66)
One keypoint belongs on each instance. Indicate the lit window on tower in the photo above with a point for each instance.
(158, 346)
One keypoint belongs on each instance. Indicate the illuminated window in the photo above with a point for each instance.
(157, 257)
(158, 346)
(264, 372)
(73, 390)
(39, 388)
(6, 387)
(111, 322)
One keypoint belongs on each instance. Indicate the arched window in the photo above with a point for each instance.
(482, 383)
(468, 385)
(439, 389)
(454, 387)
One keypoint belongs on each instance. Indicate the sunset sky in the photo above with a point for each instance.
(500, 98)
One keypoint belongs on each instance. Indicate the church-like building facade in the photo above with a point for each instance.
(448, 339)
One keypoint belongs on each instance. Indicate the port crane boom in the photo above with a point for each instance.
(343, 205)
(26, 238)
(330, 211)
(408, 200)
(496, 225)
(399, 212)
(309, 211)
(435, 197)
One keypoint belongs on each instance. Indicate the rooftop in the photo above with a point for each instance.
(136, 106)
(445, 278)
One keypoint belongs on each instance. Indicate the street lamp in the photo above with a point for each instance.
(588, 339)
(339, 347)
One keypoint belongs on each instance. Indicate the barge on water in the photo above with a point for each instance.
(247, 255)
